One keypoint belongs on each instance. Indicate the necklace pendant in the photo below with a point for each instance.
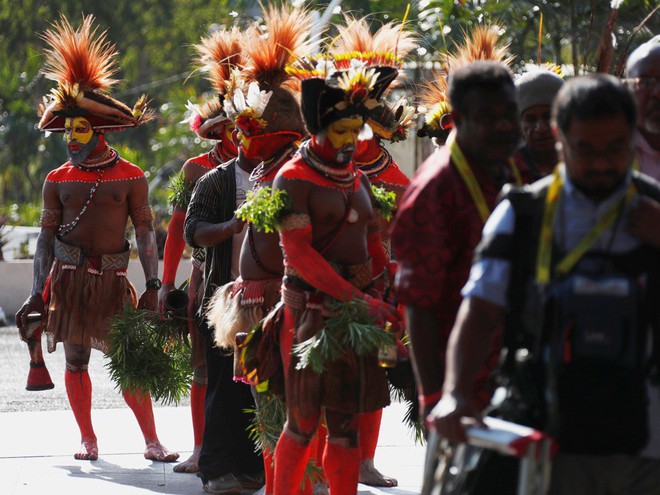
(352, 216)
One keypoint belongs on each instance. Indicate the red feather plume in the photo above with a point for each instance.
(285, 41)
(79, 56)
(219, 54)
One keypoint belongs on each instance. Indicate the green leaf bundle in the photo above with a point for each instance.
(147, 352)
(350, 326)
(385, 201)
(268, 421)
(179, 193)
(264, 208)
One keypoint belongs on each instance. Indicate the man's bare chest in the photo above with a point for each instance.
(330, 206)
(76, 194)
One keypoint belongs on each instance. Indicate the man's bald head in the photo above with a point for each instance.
(645, 54)
(643, 79)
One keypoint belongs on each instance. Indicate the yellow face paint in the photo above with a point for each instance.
(245, 141)
(344, 132)
(78, 129)
(229, 132)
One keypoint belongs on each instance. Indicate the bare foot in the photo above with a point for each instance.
(89, 451)
(156, 451)
(189, 465)
(369, 475)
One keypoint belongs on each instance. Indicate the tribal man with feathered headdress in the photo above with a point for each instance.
(270, 127)
(218, 55)
(389, 122)
(331, 239)
(82, 249)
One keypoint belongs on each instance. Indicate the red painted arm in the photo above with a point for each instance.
(174, 246)
(377, 253)
(314, 268)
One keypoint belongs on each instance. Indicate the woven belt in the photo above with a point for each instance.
(73, 255)
(300, 299)
(359, 275)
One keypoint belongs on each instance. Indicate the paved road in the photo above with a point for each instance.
(14, 367)
(38, 435)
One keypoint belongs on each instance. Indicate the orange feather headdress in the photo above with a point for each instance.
(482, 42)
(83, 63)
(220, 56)
(389, 43)
(272, 100)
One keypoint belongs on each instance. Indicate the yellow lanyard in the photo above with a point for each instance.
(544, 255)
(470, 180)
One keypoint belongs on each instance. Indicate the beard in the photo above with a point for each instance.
(79, 156)
(344, 154)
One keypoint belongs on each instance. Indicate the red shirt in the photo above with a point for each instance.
(434, 235)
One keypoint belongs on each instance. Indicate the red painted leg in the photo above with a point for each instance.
(197, 395)
(341, 465)
(369, 430)
(290, 462)
(79, 390)
(140, 404)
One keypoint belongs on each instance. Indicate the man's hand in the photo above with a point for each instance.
(33, 304)
(449, 416)
(162, 295)
(644, 220)
(382, 311)
(148, 300)
(237, 224)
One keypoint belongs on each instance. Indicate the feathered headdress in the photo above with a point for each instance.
(220, 57)
(83, 63)
(389, 45)
(482, 42)
(272, 100)
(348, 81)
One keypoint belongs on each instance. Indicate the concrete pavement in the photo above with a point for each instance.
(36, 455)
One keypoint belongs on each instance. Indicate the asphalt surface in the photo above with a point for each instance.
(38, 436)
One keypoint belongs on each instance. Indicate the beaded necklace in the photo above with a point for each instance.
(376, 166)
(343, 177)
(105, 160)
(64, 229)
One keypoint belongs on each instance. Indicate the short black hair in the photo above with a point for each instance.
(487, 75)
(592, 97)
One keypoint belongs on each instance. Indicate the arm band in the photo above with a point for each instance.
(143, 216)
(294, 221)
(50, 218)
(174, 246)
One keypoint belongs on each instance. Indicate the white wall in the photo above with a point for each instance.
(16, 282)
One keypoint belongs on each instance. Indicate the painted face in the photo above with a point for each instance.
(80, 137)
(598, 153)
(78, 130)
(489, 127)
(536, 129)
(341, 139)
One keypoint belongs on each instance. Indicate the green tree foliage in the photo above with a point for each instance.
(154, 39)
